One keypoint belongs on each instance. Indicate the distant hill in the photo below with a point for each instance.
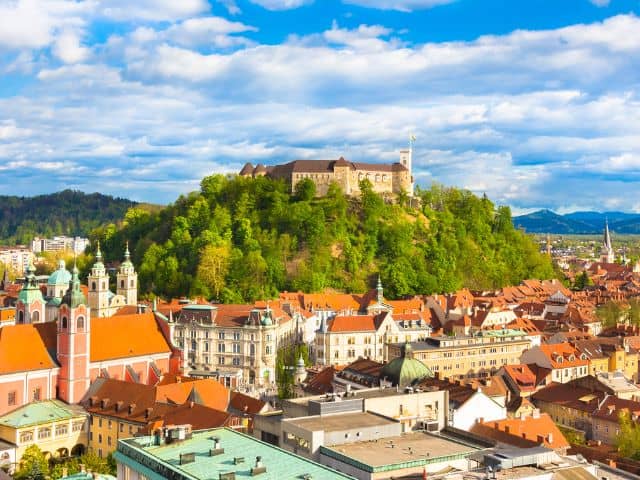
(64, 213)
(546, 221)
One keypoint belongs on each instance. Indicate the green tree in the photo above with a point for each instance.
(609, 314)
(582, 281)
(34, 465)
(305, 190)
(628, 440)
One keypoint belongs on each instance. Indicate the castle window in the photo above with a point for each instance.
(80, 323)
(64, 322)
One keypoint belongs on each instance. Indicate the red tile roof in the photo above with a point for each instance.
(27, 347)
(524, 432)
(355, 323)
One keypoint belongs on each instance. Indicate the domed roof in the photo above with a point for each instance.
(30, 292)
(61, 276)
(405, 370)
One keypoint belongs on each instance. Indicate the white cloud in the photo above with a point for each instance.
(281, 4)
(207, 31)
(401, 5)
(68, 49)
(601, 3)
(153, 10)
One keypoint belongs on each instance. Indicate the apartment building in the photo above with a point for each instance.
(16, 259)
(476, 355)
(236, 343)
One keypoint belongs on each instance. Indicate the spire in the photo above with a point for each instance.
(380, 291)
(98, 253)
(607, 235)
(74, 295)
(98, 266)
(127, 255)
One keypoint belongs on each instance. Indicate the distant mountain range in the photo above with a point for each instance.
(546, 221)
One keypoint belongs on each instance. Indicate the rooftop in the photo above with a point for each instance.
(411, 449)
(340, 422)
(163, 461)
(36, 413)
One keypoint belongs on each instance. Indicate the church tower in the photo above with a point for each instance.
(606, 254)
(99, 287)
(73, 336)
(406, 160)
(30, 306)
(127, 280)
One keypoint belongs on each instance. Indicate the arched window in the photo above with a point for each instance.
(20, 316)
(133, 284)
(35, 317)
(384, 178)
(103, 286)
(80, 323)
(93, 286)
(64, 322)
(121, 283)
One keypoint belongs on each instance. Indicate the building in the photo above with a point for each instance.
(235, 343)
(67, 354)
(16, 259)
(607, 254)
(480, 354)
(385, 178)
(61, 243)
(222, 453)
(565, 362)
(102, 301)
(58, 429)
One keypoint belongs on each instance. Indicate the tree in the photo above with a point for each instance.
(609, 314)
(628, 440)
(582, 281)
(213, 268)
(305, 190)
(34, 465)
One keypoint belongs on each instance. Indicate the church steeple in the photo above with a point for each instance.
(380, 291)
(606, 254)
(99, 287)
(127, 279)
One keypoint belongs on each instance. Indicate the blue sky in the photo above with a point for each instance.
(534, 102)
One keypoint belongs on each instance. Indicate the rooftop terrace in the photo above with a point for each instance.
(197, 458)
(340, 421)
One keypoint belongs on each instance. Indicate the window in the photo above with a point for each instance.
(267, 350)
(64, 322)
(11, 398)
(62, 429)
(121, 283)
(206, 346)
(122, 428)
(44, 432)
(236, 335)
(20, 316)
(37, 393)
(99, 438)
(109, 441)
(236, 361)
(26, 436)
(194, 345)
(221, 360)
(221, 348)
(80, 323)
(133, 284)
(109, 425)
(100, 422)
(236, 348)
(221, 335)
(94, 286)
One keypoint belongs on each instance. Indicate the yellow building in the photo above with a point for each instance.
(59, 430)
(469, 356)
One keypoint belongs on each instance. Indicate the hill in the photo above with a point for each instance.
(243, 239)
(546, 221)
(64, 213)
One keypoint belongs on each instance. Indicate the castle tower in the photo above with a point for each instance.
(99, 287)
(73, 335)
(606, 253)
(30, 306)
(406, 159)
(127, 280)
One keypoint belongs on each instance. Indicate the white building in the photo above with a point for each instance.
(60, 244)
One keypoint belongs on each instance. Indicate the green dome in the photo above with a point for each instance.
(405, 370)
(74, 295)
(61, 276)
(31, 291)
(266, 320)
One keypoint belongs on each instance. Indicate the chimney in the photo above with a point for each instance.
(147, 412)
(550, 438)
(507, 429)
(132, 407)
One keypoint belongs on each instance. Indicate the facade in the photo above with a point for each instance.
(102, 301)
(385, 178)
(471, 356)
(607, 254)
(58, 429)
(235, 343)
(206, 454)
(565, 362)
(61, 243)
(16, 258)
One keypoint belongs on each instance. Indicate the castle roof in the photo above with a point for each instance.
(320, 166)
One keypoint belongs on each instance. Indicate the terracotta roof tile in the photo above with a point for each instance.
(37, 338)
(125, 336)
(524, 432)
(355, 323)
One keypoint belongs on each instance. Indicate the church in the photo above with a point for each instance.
(386, 179)
(63, 341)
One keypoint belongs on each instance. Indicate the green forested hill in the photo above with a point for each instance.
(63, 213)
(242, 239)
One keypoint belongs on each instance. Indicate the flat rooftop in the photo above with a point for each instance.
(410, 447)
(163, 461)
(340, 421)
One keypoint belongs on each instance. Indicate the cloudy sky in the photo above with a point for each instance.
(535, 102)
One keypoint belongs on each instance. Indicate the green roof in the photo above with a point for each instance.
(74, 295)
(88, 476)
(405, 370)
(31, 291)
(61, 276)
(504, 332)
(153, 461)
(37, 413)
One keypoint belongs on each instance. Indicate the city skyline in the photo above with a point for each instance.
(536, 105)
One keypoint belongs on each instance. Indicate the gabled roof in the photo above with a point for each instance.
(38, 338)
(524, 432)
(125, 336)
(356, 323)
(563, 355)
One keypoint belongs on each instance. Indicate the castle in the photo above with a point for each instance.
(385, 178)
